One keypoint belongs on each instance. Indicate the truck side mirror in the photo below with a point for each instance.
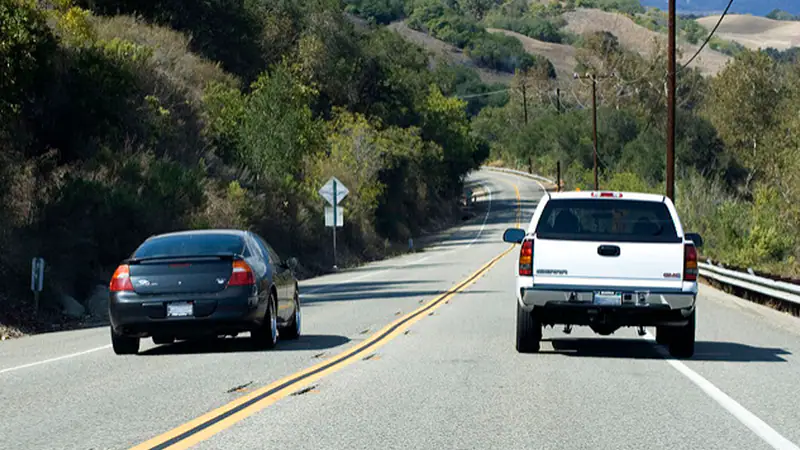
(514, 235)
(696, 238)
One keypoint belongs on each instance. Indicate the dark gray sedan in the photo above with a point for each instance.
(203, 283)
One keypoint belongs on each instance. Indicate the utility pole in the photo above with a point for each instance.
(671, 104)
(594, 129)
(525, 101)
(594, 79)
(558, 176)
(558, 100)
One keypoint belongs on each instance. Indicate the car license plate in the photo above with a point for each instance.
(608, 298)
(180, 309)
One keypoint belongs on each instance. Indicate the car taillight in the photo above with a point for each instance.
(242, 274)
(526, 258)
(689, 263)
(121, 280)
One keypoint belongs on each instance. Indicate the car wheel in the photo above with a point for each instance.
(663, 335)
(163, 340)
(681, 343)
(529, 331)
(292, 329)
(266, 336)
(124, 345)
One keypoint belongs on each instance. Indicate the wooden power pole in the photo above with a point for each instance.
(594, 79)
(671, 75)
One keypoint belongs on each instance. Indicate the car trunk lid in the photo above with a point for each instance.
(176, 275)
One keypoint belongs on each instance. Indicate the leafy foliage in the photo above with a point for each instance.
(380, 11)
(779, 14)
(493, 51)
(534, 27)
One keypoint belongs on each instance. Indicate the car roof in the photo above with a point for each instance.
(594, 195)
(220, 231)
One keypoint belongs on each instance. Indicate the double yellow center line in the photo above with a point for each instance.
(224, 417)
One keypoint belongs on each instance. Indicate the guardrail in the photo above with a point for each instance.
(520, 173)
(771, 288)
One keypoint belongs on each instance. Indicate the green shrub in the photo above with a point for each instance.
(533, 27)
(26, 49)
(380, 11)
(729, 48)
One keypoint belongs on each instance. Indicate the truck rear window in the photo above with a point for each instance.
(199, 244)
(607, 220)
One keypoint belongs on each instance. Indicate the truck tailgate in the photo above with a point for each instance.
(580, 263)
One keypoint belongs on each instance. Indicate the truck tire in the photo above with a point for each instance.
(681, 343)
(529, 331)
(662, 335)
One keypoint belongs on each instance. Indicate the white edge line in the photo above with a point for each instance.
(46, 361)
(748, 419)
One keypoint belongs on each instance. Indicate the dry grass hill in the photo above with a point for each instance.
(755, 32)
(562, 56)
(638, 38)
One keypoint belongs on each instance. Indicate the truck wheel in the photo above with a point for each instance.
(529, 331)
(681, 343)
(662, 335)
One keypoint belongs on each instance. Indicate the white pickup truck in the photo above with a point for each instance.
(606, 260)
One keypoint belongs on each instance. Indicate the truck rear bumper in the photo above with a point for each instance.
(615, 316)
(636, 299)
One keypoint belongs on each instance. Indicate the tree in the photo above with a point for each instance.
(742, 106)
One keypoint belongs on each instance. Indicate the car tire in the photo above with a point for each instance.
(682, 339)
(529, 331)
(163, 340)
(266, 336)
(663, 335)
(292, 329)
(124, 345)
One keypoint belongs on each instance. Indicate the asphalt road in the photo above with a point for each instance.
(427, 362)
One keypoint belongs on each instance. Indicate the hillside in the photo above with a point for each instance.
(561, 55)
(447, 52)
(125, 119)
(638, 38)
(757, 7)
(755, 32)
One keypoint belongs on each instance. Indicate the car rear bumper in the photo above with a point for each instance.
(220, 313)
(640, 306)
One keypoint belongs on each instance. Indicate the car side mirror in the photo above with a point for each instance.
(696, 238)
(514, 235)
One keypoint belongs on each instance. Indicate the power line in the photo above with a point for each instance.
(484, 94)
(710, 35)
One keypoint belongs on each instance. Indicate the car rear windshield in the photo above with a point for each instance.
(607, 220)
(201, 244)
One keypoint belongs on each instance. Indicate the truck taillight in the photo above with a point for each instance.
(607, 194)
(242, 275)
(689, 263)
(526, 258)
(121, 280)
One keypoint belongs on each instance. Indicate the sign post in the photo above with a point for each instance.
(334, 192)
(37, 281)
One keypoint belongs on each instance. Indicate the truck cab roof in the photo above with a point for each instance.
(611, 195)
